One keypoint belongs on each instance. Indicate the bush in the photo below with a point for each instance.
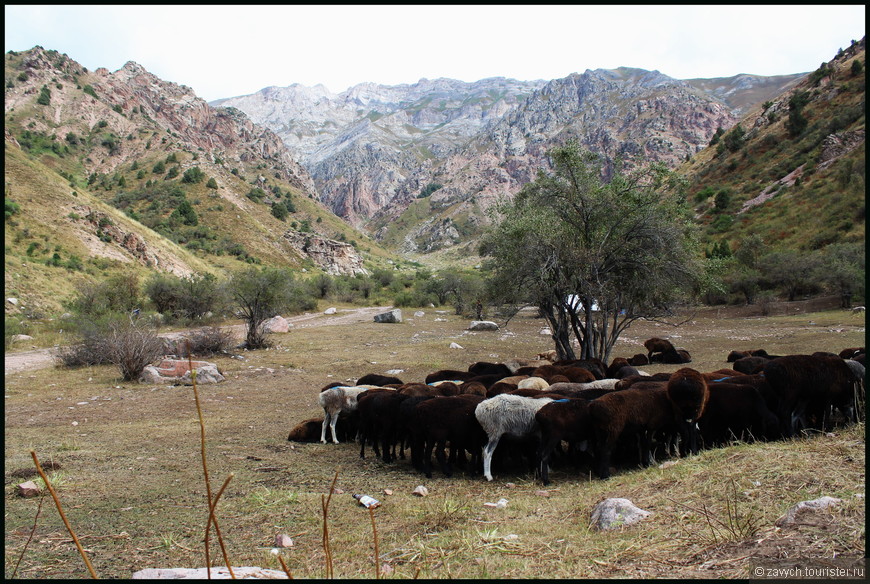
(210, 340)
(11, 208)
(44, 96)
(279, 211)
(89, 90)
(193, 175)
(130, 344)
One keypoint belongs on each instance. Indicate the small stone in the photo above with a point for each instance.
(28, 489)
(282, 540)
(511, 485)
(615, 513)
(542, 493)
(420, 491)
(330, 310)
(803, 507)
(668, 464)
(338, 491)
(388, 491)
(456, 346)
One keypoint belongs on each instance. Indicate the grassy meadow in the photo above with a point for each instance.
(130, 473)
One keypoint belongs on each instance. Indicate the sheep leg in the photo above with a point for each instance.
(544, 453)
(442, 459)
(487, 456)
(427, 457)
(332, 422)
(323, 429)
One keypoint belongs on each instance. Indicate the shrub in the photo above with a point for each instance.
(210, 340)
(89, 90)
(159, 168)
(212, 183)
(173, 172)
(132, 345)
(856, 68)
(11, 208)
(193, 175)
(44, 96)
(279, 211)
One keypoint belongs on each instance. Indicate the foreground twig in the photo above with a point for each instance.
(324, 503)
(62, 516)
(377, 554)
(30, 538)
(211, 502)
(285, 568)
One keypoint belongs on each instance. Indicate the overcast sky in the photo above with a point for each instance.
(226, 51)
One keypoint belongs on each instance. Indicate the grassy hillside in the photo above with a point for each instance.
(793, 170)
(106, 173)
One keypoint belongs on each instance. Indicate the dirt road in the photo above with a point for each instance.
(42, 358)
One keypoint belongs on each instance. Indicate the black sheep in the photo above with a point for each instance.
(561, 420)
(736, 411)
(378, 379)
(446, 419)
(687, 389)
(634, 413)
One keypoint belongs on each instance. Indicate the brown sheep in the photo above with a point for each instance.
(615, 365)
(639, 360)
(688, 390)
(632, 413)
(657, 345)
(561, 419)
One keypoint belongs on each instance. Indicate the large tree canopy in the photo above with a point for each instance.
(594, 255)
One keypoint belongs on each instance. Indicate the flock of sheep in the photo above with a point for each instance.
(586, 413)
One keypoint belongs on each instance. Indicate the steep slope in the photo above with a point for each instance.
(361, 145)
(625, 112)
(792, 172)
(201, 189)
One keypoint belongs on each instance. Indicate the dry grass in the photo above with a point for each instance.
(133, 488)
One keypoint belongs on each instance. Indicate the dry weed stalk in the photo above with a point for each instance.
(62, 515)
(324, 504)
(30, 537)
(377, 554)
(211, 502)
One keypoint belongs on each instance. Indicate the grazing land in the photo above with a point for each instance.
(131, 477)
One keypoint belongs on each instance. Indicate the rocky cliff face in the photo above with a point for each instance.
(335, 257)
(373, 149)
(361, 145)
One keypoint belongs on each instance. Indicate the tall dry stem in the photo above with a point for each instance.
(62, 515)
(324, 503)
(211, 502)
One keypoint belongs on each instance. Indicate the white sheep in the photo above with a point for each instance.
(513, 415)
(533, 383)
(335, 401)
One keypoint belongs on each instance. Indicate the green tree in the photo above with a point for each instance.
(212, 183)
(279, 210)
(856, 68)
(259, 294)
(734, 139)
(844, 271)
(193, 175)
(184, 213)
(11, 208)
(792, 271)
(594, 255)
(715, 139)
(44, 96)
(159, 168)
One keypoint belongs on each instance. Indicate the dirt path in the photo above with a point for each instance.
(42, 358)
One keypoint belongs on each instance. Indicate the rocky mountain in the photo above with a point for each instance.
(360, 145)
(791, 173)
(374, 150)
(124, 171)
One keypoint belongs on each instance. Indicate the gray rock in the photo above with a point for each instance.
(483, 325)
(151, 375)
(205, 374)
(394, 315)
(217, 573)
(615, 513)
(796, 511)
(276, 324)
